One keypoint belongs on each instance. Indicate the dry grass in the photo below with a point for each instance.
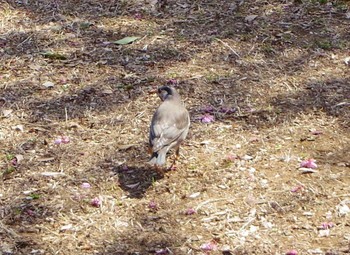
(284, 75)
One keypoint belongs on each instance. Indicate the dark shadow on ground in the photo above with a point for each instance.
(199, 26)
(21, 219)
(229, 103)
(136, 180)
(199, 23)
(159, 235)
(40, 103)
(340, 158)
(329, 96)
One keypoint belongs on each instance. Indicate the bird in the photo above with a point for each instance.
(169, 126)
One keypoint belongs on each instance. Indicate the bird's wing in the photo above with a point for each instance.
(167, 128)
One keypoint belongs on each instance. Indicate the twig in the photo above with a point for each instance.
(28, 38)
(9, 231)
(341, 104)
(209, 201)
(246, 224)
(66, 114)
(228, 46)
(341, 195)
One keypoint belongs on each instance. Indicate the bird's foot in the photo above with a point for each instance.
(159, 170)
(173, 167)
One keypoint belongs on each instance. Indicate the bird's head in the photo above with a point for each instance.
(166, 93)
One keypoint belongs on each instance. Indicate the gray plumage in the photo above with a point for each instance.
(169, 126)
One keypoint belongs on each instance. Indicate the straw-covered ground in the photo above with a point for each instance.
(272, 78)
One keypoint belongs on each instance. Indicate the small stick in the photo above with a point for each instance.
(209, 201)
(228, 46)
(66, 113)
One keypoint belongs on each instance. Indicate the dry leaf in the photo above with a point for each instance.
(125, 146)
(194, 195)
(107, 91)
(48, 84)
(134, 185)
(343, 209)
(347, 60)
(316, 251)
(7, 113)
(52, 174)
(307, 170)
(53, 55)
(66, 227)
(323, 232)
(247, 157)
(250, 18)
(19, 158)
(18, 128)
(46, 159)
(126, 40)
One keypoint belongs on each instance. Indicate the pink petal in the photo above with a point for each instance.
(62, 139)
(292, 252)
(231, 157)
(85, 185)
(152, 205)
(309, 163)
(190, 211)
(297, 188)
(30, 212)
(65, 139)
(14, 162)
(172, 81)
(96, 202)
(207, 118)
(327, 225)
(162, 251)
(138, 16)
(58, 141)
(210, 246)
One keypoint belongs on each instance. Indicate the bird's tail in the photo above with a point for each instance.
(158, 158)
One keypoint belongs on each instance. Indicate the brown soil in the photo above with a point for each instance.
(278, 85)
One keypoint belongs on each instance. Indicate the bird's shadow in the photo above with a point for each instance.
(135, 179)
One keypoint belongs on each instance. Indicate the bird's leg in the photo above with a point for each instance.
(177, 155)
(150, 150)
(159, 170)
